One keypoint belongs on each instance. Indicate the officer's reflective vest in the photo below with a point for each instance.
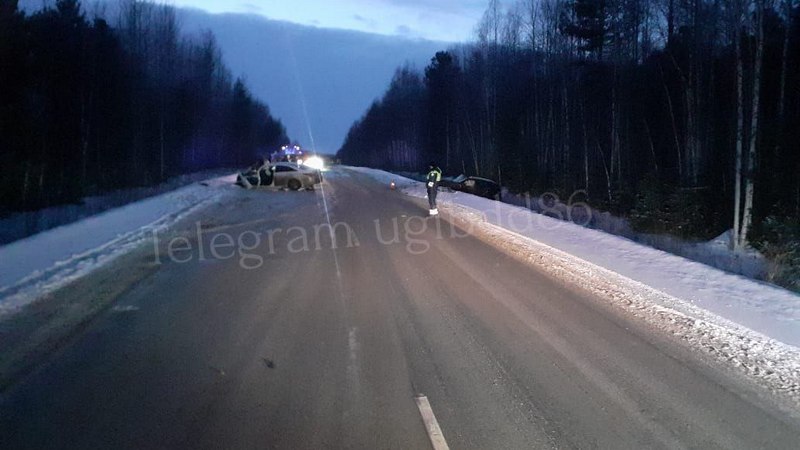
(435, 176)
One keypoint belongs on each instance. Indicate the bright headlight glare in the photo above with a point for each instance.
(315, 162)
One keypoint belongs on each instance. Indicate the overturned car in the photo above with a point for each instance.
(482, 187)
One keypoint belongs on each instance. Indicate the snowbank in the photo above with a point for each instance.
(715, 253)
(23, 224)
(41, 263)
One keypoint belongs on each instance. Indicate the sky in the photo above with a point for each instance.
(334, 63)
(436, 20)
(318, 81)
(319, 64)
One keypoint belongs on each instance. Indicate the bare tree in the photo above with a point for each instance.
(532, 14)
(165, 36)
(736, 19)
(513, 26)
(747, 218)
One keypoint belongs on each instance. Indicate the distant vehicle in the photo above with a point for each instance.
(313, 162)
(482, 187)
(288, 153)
(281, 175)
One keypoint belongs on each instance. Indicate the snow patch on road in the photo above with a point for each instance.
(750, 325)
(37, 265)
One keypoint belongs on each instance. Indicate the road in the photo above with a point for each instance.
(300, 345)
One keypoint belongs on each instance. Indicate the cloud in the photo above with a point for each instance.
(252, 8)
(441, 6)
(447, 20)
(368, 22)
(440, 20)
(403, 30)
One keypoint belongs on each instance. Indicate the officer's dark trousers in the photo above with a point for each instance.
(432, 197)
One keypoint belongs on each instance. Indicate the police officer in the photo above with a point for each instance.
(434, 176)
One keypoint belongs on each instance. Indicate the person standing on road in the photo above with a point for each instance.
(262, 172)
(433, 179)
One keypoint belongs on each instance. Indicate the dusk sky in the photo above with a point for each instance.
(438, 20)
(334, 57)
(318, 81)
(329, 77)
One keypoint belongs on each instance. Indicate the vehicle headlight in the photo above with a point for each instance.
(314, 162)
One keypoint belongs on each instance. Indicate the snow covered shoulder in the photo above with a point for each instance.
(32, 267)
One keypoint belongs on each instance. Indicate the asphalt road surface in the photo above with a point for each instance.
(297, 345)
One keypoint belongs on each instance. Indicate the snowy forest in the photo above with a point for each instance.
(681, 115)
(91, 102)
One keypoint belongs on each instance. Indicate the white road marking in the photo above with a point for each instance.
(352, 343)
(353, 369)
(127, 308)
(333, 239)
(431, 425)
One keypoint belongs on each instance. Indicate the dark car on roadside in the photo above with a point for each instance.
(479, 186)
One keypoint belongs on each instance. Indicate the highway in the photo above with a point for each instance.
(296, 343)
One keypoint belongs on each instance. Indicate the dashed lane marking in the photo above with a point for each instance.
(431, 425)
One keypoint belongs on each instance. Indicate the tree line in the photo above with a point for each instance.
(91, 104)
(682, 115)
